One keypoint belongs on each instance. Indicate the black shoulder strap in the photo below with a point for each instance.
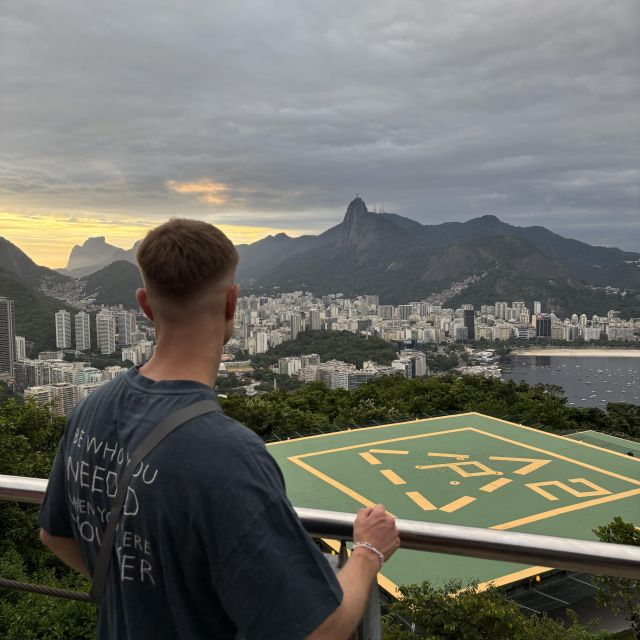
(161, 431)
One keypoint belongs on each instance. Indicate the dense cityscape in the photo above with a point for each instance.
(66, 374)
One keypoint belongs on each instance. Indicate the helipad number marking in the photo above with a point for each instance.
(595, 489)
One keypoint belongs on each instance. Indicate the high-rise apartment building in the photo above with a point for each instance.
(501, 310)
(296, 325)
(470, 322)
(315, 320)
(404, 311)
(7, 336)
(543, 326)
(537, 308)
(83, 331)
(126, 326)
(106, 331)
(262, 343)
(21, 348)
(63, 329)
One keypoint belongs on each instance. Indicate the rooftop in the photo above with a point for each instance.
(469, 469)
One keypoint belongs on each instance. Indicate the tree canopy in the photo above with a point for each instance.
(331, 345)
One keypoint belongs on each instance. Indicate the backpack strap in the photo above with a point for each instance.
(153, 438)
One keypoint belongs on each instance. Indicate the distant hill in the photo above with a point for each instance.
(34, 312)
(16, 261)
(95, 254)
(114, 284)
(402, 260)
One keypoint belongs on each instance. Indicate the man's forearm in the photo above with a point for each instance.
(355, 579)
(67, 549)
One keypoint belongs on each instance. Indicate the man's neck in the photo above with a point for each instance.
(184, 360)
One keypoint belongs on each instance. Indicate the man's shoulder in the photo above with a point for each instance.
(218, 446)
(223, 433)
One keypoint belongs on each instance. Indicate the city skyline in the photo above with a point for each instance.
(263, 118)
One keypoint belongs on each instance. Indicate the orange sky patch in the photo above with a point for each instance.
(210, 191)
(48, 238)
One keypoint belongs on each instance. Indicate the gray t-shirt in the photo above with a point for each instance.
(209, 545)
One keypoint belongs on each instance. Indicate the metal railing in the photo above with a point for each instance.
(597, 558)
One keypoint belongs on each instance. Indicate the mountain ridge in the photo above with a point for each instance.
(397, 258)
(401, 259)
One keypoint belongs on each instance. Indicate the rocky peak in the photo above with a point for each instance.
(357, 223)
(92, 251)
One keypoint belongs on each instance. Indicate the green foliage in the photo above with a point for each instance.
(34, 313)
(115, 284)
(620, 595)
(37, 617)
(624, 419)
(453, 613)
(313, 406)
(338, 345)
(29, 436)
(386, 399)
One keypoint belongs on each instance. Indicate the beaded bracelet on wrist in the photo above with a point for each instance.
(366, 545)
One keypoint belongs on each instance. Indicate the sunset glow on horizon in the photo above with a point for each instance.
(48, 238)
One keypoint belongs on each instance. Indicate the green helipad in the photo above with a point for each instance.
(467, 469)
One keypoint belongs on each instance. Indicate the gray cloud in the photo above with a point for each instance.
(440, 110)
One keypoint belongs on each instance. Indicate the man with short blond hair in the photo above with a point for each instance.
(208, 545)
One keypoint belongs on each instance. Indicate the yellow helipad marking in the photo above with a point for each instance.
(457, 456)
(586, 465)
(458, 504)
(334, 483)
(421, 501)
(535, 463)
(458, 468)
(506, 579)
(392, 451)
(496, 484)
(595, 489)
(507, 525)
(392, 476)
(546, 433)
(369, 444)
(371, 459)
(562, 510)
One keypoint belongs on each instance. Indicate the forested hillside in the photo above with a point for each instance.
(313, 407)
(34, 312)
(338, 345)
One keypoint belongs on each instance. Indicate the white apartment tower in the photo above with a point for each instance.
(126, 322)
(316, 321)
(106, 331)
(63, 329)
(83, 331)
(21, 348)
(296, 325)
(7, 336)
(261, 342)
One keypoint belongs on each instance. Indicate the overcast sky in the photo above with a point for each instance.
(268, 115)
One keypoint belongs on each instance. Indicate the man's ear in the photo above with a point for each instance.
(232, 299)
(143, 301)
